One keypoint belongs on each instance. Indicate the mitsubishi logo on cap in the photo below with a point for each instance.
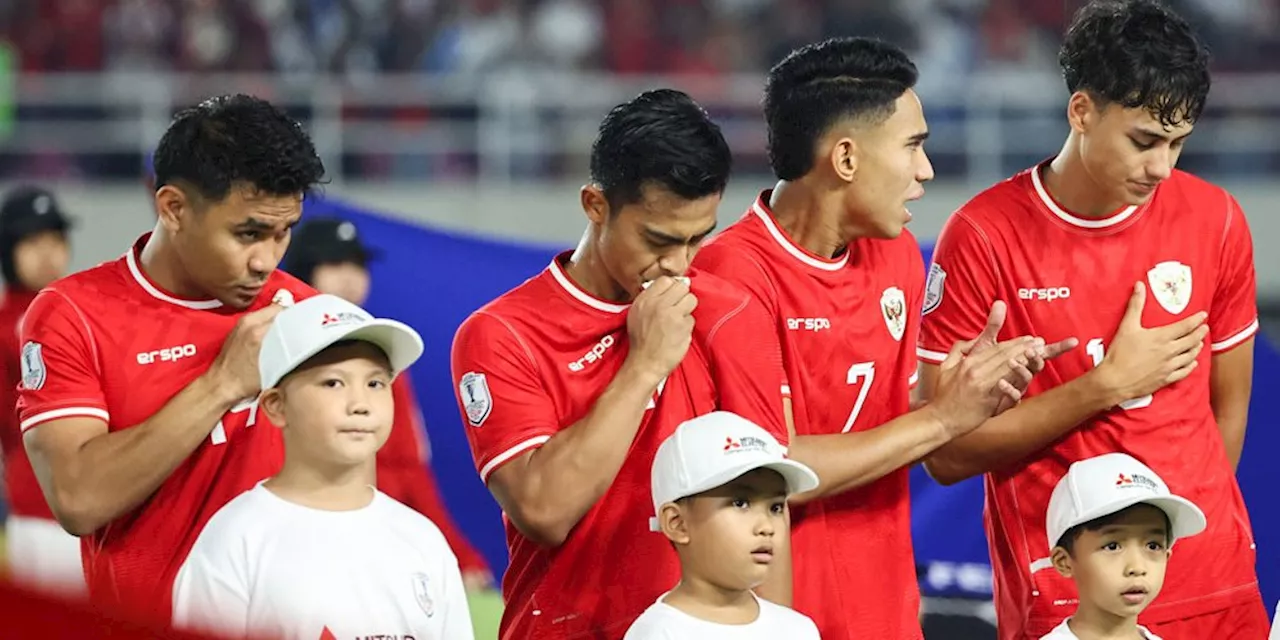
(1136, 479)
(745, 442)
(342, 317)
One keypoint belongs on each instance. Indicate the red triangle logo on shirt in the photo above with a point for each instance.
(326, 634)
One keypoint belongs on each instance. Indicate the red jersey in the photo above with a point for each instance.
(34, 614)
(23, 492)
(108, 343)
(1062, 276)
(404, 473)
(848, 330)
(533, 362)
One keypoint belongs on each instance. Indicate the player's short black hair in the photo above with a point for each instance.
(1068, 539)
(821, 84)
(660, 138)
(237, 139)
(1137, 53)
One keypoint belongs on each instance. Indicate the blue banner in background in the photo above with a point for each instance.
(433, 279)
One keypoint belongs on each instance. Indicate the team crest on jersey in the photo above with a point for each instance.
(33, 369)
(422, 594)
(933, 288)
(1171, 285)
(476, 400)
(894, 307)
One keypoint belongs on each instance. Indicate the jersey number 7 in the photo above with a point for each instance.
(864, 372)
(1098, 352)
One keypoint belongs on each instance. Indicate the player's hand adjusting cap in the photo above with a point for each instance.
(1109, 483)
(712, 449)
(311, 326)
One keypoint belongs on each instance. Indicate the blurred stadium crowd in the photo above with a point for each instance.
(619, 36)
(442, 130)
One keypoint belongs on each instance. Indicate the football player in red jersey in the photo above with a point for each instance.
(34, 251)
(329, 254)
(569, 382)
(1064, 243)
(139, 376)
(827, 254)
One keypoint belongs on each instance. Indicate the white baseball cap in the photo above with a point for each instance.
(304, 329)
(710, 450)
(1105, 484)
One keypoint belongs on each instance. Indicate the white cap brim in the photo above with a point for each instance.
(1185, 518)
(799, 479)
(402, 345)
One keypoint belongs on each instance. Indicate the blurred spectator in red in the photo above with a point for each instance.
(30, 615)
(33, 253)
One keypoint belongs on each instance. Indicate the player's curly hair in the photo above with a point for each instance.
(1137, 53)
(663, 138)
(821, 84)
(237, 139)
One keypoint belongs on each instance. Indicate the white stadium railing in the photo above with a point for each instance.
(505, 123)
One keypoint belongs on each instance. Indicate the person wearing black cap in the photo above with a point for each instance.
(34, 252)
(328, 254)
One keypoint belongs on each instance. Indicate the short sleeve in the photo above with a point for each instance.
(1233, 314)
(959, 290)
(61, 375)
(734, 265)
(207, 596)
(746, 361)
(505, 408)
(741, 269)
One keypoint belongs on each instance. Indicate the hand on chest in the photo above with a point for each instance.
(1077, 294)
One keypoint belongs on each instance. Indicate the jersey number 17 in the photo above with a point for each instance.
(1098, 352)
(219, 434)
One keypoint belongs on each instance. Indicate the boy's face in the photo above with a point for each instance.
(1120, 567)
(729, 532)
(336, 409)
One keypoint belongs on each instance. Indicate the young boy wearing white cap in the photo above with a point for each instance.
(315, 552)
(720, 486)
(1112, 523)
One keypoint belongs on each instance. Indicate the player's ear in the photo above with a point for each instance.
(1062, 562)
(272, 404)
(172, 206)
(844, 158)
(1082, 111)
(594, 204)
(674, 525)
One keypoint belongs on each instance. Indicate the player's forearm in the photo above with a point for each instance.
(1230, 389)
(113, 473)
(565, 477)
(1231, 424)
(1029, 427)
(845, 461)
